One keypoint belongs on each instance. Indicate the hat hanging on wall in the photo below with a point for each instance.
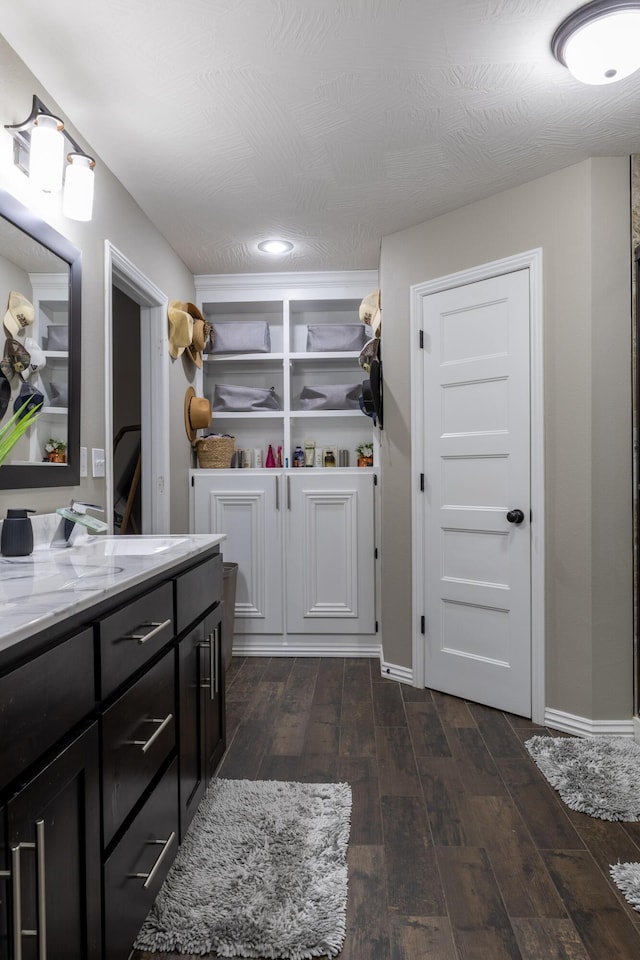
(180, 328)
(16, 358)
(197, 413)
(199, 336)
(20, 313)
(38, 358)
(371, 312)
(5, 394)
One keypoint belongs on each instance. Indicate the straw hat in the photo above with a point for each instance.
(197, 413)
(199, 336)
(180, 328)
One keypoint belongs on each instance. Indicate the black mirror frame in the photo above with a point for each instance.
(14, 477)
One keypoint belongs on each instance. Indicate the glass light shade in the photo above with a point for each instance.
(77, 199)
(275, 246)
(606, 49)
(46, 156)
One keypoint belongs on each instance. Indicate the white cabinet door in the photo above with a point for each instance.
(248, 509)
(329, 544)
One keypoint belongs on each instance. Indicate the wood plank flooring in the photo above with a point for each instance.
(459, 849)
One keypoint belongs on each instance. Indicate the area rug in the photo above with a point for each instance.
(600, 776)
(627, 878)
(262, 872)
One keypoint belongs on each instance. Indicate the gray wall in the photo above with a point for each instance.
(580, 218)
(116, 218)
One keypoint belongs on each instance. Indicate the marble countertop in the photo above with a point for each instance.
(57, 582)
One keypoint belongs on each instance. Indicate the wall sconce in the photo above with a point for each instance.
(39, 144)
(600, 42)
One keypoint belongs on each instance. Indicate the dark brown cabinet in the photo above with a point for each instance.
(110, 729)
(202, 713)
(51, 860)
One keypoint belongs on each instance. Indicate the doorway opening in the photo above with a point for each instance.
(137, 401)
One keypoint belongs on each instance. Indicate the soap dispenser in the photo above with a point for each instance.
(17, 533)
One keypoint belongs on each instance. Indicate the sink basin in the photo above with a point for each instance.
(127, 546)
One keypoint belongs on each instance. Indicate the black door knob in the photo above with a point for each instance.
(515, 516)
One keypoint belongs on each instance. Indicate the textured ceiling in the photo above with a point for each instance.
(329, 122)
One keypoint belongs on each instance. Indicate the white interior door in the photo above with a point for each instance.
(477, 557)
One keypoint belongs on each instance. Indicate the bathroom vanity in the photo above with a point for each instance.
(111, 725)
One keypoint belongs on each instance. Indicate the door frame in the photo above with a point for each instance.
(120, 272)
(530, 260)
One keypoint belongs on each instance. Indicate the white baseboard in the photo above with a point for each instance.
(312, 646)
(636, 728)
(584, 727)
(392, 671)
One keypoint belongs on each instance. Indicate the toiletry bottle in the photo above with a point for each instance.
(17, 534)
(271, 460)
(298, 457)
(279, 457)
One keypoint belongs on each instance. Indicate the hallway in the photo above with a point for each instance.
(459, 849)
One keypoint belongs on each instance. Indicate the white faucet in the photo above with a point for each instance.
(76, 513)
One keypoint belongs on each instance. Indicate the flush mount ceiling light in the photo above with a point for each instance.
(600, 42)
(39, 145)
(275, 247)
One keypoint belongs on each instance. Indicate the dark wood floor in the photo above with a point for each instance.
(459, 849)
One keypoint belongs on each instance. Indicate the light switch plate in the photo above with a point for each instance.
(83, 461)
(97, 461)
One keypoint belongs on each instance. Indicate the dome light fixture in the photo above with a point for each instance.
(600, 42)
(275, 247)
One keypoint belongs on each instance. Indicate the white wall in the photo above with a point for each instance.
(118, 219)
(580, 218)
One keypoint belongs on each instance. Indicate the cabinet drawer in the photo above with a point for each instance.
(197, 590)
(138, 731)
(55, 692)
(147, 848)
(130, 636)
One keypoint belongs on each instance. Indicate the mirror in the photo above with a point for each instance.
(42, 265)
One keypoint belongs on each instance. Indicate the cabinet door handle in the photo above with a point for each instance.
(288, 492)
(148, 877)
(143, 637)
(212, 643)
(41, 931)
(146, 744)
(277, 482)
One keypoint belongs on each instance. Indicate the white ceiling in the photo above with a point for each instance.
(328, 122)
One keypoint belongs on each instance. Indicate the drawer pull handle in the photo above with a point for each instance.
(146, 744)
(143, 637)
(41, 931)
(148, 877)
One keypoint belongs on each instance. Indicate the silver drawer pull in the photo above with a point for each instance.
(41, 931)
(148, 877)
(143, 637)
(212, 644)
(146, 744)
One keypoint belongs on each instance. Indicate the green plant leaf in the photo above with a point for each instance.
(15, 428)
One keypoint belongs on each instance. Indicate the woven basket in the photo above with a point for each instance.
(215, 451)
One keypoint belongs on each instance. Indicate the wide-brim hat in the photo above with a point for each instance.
(371, 312)
(199, 339)
(20, 313)
(180, 328)
(197, 413)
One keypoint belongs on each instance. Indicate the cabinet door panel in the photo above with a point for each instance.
(57, 814)
(201, 722)
(248, 509)
(329, 552)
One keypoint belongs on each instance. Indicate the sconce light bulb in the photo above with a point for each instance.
(47, 153)
(77, 199)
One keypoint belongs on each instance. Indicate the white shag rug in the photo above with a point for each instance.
(627, 878)
(262, 872)
(600, 776)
